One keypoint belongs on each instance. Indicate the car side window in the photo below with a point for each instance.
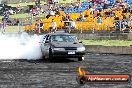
(43, 39)
(47, 38)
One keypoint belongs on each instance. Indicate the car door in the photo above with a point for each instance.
(47, 45)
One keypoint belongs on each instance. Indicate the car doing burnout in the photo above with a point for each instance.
(61, 45)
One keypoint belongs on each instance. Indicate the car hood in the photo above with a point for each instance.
(65, 44)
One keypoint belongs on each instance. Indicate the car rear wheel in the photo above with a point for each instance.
(43, 57)
(50, 54)
(80, 58)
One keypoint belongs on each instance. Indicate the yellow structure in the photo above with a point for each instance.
(89, 23)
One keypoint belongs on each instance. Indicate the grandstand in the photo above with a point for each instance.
(107, 16)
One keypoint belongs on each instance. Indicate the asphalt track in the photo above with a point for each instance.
(62, 73)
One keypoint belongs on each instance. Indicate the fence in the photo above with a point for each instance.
(82, 26)
(11, 28)
(78, 27)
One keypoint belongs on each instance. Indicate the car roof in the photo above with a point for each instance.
(59, 33)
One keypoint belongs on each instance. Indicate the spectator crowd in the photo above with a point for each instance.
(114, 14)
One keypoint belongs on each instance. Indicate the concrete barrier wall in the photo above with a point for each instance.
(109, 49)
(113, 36)
(129, 36)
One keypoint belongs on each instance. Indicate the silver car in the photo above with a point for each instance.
(63, 45)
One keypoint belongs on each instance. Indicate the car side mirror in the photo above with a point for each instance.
(47, 41)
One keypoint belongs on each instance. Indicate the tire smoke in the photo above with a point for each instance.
(20, 46)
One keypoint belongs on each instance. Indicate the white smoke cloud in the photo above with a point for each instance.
(21, 46)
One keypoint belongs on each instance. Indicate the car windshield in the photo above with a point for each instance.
(63, 38)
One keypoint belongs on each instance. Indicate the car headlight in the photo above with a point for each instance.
(81, 49)
(59, 49)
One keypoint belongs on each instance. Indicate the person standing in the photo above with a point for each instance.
(54, 2)
(54, 26)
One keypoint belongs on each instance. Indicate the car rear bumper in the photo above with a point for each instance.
(66, 55)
